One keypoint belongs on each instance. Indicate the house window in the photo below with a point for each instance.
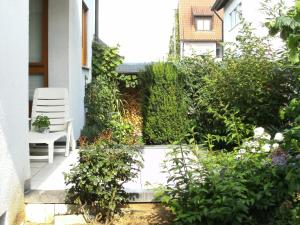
(219, 51)
(84, 33)
(235, 16)
(203, 23)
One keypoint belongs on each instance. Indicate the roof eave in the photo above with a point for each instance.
(219, 4)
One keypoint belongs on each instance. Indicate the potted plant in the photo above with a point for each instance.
(41, 124)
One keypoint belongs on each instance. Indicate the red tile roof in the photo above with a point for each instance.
(190, 8)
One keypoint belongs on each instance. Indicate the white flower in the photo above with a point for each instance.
(258, 132)
(266, 147)
(275, 146)
(278, 137)
(242, 151)
(266, 136)
(247, 144)
(253, 150)
(254, 144)
(238, 157)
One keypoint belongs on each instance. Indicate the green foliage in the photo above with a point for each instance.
(235, 129)
(41, 123)
(165, 115)
(96, 182)
(130, 81)
(248, 82)
(288, 25)
(212, 188)
(123, 132)
(102, 97)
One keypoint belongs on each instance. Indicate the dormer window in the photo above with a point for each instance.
(203, 23)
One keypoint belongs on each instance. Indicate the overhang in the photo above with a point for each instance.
(200, 11)
(219, 4)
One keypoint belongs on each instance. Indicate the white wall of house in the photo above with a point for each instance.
(65, 69)
(198, 48)
(14, 153)
(251, 12)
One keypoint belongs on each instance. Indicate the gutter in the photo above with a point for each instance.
(219, 4)
(222, 21)
(96, 35)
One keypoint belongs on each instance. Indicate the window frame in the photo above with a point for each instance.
(84, 35)
(235, 16)
(203, 18)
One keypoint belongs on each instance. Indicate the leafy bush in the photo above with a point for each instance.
(165, 115)
(96, 182)
(249, 186)
(247, 81)
(102, 97)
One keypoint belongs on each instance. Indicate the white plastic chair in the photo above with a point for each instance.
(53, 103)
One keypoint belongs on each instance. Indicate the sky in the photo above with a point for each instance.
(142, 28)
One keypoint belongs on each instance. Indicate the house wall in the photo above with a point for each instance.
(251, 11)
(14, 152)
(198, 48)
(65, 69)
(78, 74)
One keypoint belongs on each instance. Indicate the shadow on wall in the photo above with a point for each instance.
(11, 184)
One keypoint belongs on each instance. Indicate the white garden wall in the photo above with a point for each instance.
(14, 153)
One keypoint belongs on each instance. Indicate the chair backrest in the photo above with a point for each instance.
(53, 103)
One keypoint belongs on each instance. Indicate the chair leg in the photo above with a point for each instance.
(50, 152)
(67, 151)
(73, 142)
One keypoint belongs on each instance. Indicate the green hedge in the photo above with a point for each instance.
(164, 104)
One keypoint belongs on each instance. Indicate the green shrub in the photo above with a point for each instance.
(96, 182)
(164, 106)
(248, 80)
(250, 186)
(102, 97)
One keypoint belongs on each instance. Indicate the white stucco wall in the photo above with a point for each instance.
(198, 48)
(65, 69)
(14, 152)
(251, 12)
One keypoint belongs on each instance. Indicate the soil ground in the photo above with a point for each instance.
(140, 214)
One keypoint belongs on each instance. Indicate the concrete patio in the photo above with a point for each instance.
(48, 186)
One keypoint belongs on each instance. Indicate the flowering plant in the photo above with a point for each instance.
(261, 142)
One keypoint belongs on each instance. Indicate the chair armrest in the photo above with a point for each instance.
(69, 120)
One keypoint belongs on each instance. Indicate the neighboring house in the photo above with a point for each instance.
(44, 43)
(200, 28)
(251, 11)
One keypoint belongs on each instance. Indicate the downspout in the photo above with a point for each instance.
(222, 21)
(96, 35)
